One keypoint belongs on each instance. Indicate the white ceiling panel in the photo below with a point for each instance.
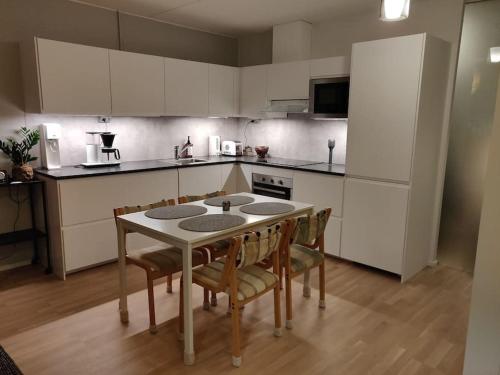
(240, 17)
(146, 8)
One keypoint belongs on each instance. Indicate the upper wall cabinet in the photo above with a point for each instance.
(253, 90)
(288, 80)
(223, 90)
(186, 88)
(329, 67)
(72, 78)
(137, 86)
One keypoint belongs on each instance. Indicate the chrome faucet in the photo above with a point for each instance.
(177, 153)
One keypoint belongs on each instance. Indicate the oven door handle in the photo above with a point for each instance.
(270, 190)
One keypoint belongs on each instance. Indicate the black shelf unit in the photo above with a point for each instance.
(32, 234)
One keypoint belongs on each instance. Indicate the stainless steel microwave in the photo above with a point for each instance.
(329, 97)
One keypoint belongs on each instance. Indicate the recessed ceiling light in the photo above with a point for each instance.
(495, 54)
(394, 10)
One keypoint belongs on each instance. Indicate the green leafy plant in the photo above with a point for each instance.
(18, 150)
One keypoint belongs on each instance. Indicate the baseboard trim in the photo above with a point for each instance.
(433, 263)
(10, 266)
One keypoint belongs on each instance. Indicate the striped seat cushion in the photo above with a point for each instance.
(163, 259)
(303, 258)
(252, 280)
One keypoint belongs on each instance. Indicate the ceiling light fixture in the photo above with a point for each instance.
(495, 54)
(394, 10)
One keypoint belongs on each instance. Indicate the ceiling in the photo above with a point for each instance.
(238, 17)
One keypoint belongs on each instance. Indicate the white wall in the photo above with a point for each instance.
(482, 355)
(297, 139)
(441, 18)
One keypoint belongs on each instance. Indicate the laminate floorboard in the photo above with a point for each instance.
(373, 324)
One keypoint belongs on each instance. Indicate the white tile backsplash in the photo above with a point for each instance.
(155, 137)
(297, 139)
(138, 138)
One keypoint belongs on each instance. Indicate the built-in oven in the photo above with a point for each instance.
(272, 186)
(329, 97)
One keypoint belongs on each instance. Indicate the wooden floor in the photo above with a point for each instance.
(372, 325)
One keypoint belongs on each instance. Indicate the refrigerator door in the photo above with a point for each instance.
(374, 224)
(385, 79)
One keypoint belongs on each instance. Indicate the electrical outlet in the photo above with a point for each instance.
(104, 119)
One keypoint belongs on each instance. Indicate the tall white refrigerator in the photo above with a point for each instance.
(396, 108)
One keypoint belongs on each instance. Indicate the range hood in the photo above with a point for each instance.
(287, 109)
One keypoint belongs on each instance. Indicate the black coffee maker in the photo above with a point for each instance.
(107, 145)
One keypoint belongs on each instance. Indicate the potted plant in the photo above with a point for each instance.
(18, 151)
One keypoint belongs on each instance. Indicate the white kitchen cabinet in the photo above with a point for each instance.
(383, 103)
(286, 81)
(253, 90)
(137, 84)
(94, 243)
(320, 189)
(186, 88)
(323, 191)
(200, 180)
(374, 223)
(73, 78)
(223, 90)
(90, 199)
(81, 220)
(329, 67)
(396, 115)
(332, 236)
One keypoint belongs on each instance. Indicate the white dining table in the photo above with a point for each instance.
(169, 232)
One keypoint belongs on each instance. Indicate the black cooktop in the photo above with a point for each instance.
(285, 162)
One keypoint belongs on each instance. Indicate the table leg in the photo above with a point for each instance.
(187, 270)
(122, 269)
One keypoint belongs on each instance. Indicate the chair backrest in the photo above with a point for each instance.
(132, 209)
(251, 248)
(257, 246)
(307, 230)
(194, 198)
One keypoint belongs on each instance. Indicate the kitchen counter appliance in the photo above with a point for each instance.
(214, 145)
(232, 148)
(49, 145)
(95, 150)
(272, 186)
(329, 97)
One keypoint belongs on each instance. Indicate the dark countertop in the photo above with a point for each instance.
(68, 172)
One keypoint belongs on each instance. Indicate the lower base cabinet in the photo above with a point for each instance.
(374, 223)
(332, 236)
(96, 243)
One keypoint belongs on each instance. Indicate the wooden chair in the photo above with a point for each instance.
(239, 276)
(161, 260)
(217, 249)
(305, 250)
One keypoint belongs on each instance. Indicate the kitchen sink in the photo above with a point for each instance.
(186, 161)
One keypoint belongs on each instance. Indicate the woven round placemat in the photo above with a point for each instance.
(7, 365)
(211, 223)
(175, 212)
(236, 200)
(267, 208)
